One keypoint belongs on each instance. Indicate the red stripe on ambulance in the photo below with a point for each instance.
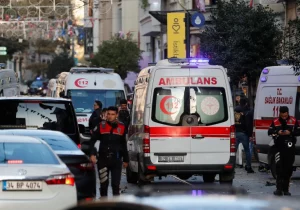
(180, 131)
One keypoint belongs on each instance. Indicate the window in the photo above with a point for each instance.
(139, 105)
(59, 142)
(29, 153)
(297, 108)
(31, 114)
(172, 104)
(83, 100)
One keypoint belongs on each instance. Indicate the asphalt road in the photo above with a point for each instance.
(256, 183)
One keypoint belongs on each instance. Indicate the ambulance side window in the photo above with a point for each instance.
(297, 108)
(138, 106)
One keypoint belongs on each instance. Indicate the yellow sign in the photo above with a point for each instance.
(176, 35)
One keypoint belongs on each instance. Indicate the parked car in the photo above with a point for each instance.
(78, 163)
(32, 176)
(44, 113)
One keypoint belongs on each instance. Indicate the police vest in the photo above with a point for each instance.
(106, 128)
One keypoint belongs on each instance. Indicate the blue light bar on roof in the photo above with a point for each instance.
(188, 60)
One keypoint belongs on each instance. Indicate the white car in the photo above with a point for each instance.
(32, 176)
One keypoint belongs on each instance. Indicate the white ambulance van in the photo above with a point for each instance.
(51, 91)
(84, 85)
(278, 86)
(182, 122)
(9, 83)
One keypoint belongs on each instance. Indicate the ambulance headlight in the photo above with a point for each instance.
(263, 78)
(265, 71)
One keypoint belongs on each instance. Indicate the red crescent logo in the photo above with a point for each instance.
(162, 105)
(81, 82)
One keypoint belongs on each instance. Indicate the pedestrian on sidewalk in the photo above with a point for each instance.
(284, 131)
(244, 129)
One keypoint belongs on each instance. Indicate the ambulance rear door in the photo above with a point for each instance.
(210, 98)
(170, 139)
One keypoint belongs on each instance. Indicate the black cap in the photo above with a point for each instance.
(283, 109)
(98, 103)
(123, 101)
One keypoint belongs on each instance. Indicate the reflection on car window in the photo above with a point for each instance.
(29, 153)
(83, 100)
(207, 104)
(37, 115)
(60, 143)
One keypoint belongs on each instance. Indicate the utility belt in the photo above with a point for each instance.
(109, 155)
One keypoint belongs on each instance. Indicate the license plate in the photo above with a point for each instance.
(170, 158)
(22, 185)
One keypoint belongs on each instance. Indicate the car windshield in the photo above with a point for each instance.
(59, 142)
(206, 104)
(26, 153)
(83, 100)
(37, 115)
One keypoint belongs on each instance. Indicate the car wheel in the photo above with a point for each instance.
(209, 178)
(132, 177)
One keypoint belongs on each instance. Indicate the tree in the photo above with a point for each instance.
(60, 63)
(13, 46)
(242, 39)
(119, 53)
(291, 46)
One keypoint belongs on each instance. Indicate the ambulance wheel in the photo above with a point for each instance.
(132, 177)
(273, 167)
(141, 178)
(209, 178)
(226, 178)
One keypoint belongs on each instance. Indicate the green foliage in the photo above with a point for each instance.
(144, 4)
(121, 54)
(291, 46)
(60, 63)
(244, 40)
(13, 46)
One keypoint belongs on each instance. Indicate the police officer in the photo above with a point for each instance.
(284, 131)
(112, 151)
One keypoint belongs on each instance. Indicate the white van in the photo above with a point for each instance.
(182, 122)
(51, 91)
(84, 85)
(9, 83)
(278, 86)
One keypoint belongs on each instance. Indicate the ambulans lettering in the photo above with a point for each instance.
(188, 81)
(278, 100)
(82, 119)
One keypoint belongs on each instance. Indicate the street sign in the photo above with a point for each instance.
(198, 19)
(3, 49)
(3, 53)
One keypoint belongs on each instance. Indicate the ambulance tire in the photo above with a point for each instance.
(141, 178)
(209, 178)
(132, 177)
(226, 178)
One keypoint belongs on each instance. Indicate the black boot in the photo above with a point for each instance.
(116, 190)
(285, 187)
(278, 191)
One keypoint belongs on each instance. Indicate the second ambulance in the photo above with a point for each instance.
(84, 85)
(278, 86)
(182, 123)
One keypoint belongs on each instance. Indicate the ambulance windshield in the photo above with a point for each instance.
(83, 100)
(206, 105)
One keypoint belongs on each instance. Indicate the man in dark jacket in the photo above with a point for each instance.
(124, 115)
(112, 151)
(96, 115)
(284, 131)
(244, 128)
